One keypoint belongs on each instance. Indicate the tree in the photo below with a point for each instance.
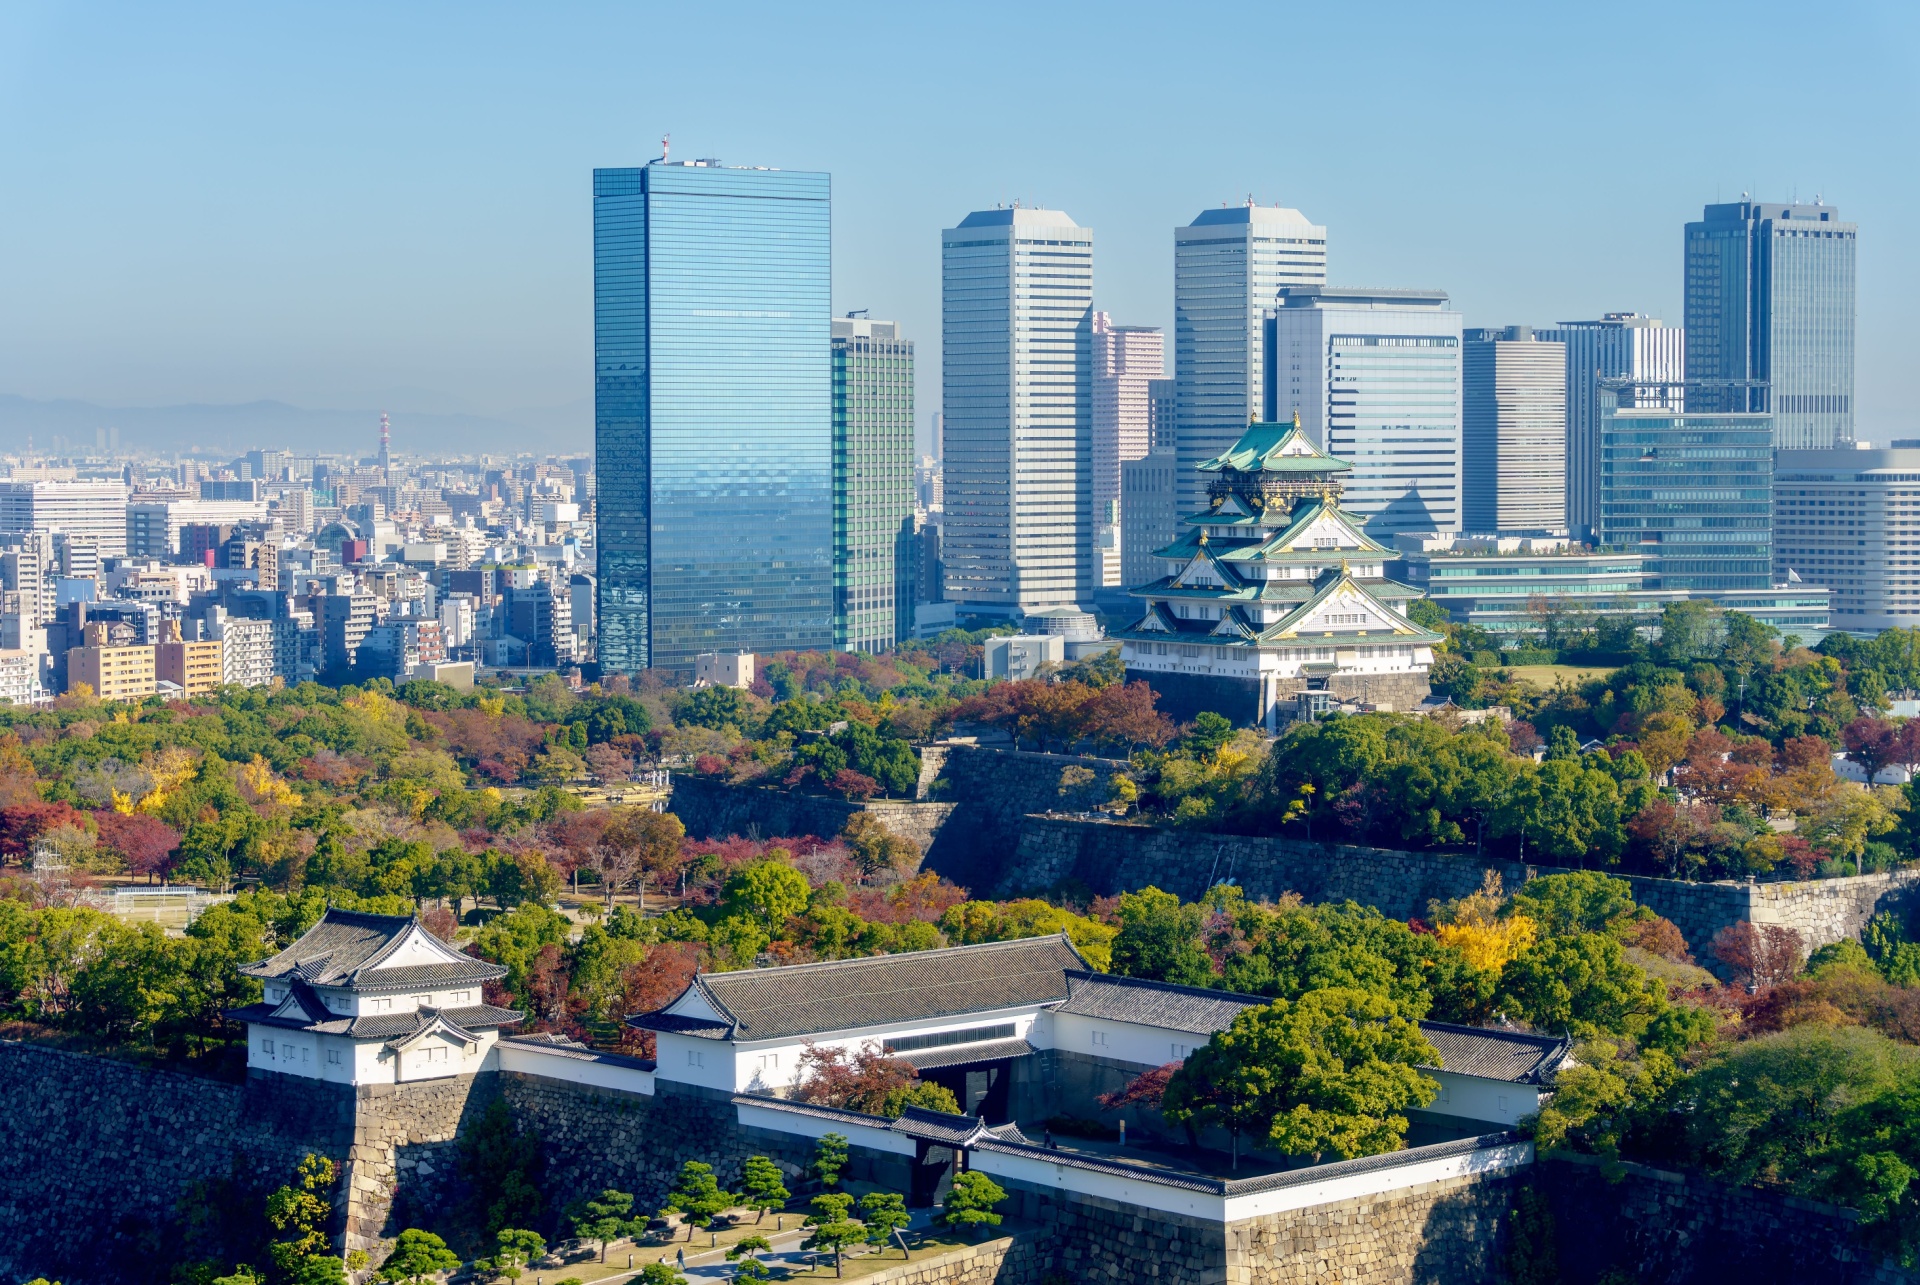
(867, 1080)
(768, 891)
(883, 1212)
(761, 1187)
(1872, 743)
(1147, 1089)
(416, 1256)
(833, 1229)
(1581, 984)
(515, 1247)
(1330, 1071)
(1760, 955)
(876, 849)
(609, 764)
(142, 841)
(742, 1253)
(1580, 901)
(1209, 734)
(829, 1159)
(970, 1202)
(660, 1274)
(301, 1211)
(607, 1217)
(1159, 940)
(639, 844)
(697, 1196)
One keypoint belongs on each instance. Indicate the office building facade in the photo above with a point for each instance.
(1618, 346)
(873, 485)
(1770, 317)
(1149, 514)
(1691, 490)
(713, 415)
(1513, 431)
(88, 513)
(1127, 362)
(1375, 377)
(1017, 411)
(1229, 267)
(1849, 519)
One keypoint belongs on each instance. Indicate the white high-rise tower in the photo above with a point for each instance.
(1016, 377)
(1127, 362)
(1229, 267)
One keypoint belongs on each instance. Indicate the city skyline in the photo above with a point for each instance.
(310, 235)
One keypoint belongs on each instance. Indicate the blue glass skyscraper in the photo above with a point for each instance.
(1770, 299)
(713, 411)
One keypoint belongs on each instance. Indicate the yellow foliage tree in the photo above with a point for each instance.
(1473, 926)
(170, 769)
(266, 788)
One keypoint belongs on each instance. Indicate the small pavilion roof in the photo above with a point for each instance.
(1276, 448)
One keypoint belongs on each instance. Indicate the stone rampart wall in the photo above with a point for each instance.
(713, 809)
(1005, 1260)
(107, 1162)
(1689, 1230)
(1113, 857)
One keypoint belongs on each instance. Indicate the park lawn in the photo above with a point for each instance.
(1547, 677)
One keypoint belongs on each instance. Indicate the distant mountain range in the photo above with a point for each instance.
(232, 429)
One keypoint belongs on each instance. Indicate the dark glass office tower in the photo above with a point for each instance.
(713, 412)
(1769, 292)
(1692, 491)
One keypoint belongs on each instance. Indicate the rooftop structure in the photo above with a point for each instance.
(371, 999)
(1276, 592)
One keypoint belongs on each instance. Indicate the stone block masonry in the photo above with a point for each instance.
(104, 1159)
(1004, 1260)
(1114, 857)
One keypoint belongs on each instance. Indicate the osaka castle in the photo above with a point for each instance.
(1276, 603)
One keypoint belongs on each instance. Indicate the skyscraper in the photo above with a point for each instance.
(1017, 428)
(1513, 431)
(1127, 362)
(1770, 299)
(1619, 346)
(93, 513)
(1375, 377)
(873, 541)
(1229, 267)
(713, 411)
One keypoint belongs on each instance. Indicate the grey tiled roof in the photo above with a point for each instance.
(561, 1046)
(678, 1024)
(965, 1054)
(1192, 1009)
(939, 1128)
(382, 1026)
(343, 948)
(774, 1003)
(1491, 1053)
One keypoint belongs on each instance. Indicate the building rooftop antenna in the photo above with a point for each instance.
(666, 147)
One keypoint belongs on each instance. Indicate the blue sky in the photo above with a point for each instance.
(350, 205)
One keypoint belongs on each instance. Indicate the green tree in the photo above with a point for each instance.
(607, 1217)
(300, 1212)
(761, 1186)
(1762, 1110)
(501, 1165)
(833, 1228)
(1580, 901)
(697, 1195)
(883, 1212)
(416, 1256)
(514, 1248)
(743, 1254)
(768, 892)
(1331, 1071)
(970, 1202)
(829, 1159)
(1159, 940)
(660, 1274)
(1582, 984)
(1210, 733)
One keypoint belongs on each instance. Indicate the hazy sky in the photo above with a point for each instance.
(348, 205)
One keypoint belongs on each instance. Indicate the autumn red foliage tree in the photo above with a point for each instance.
(1146, 1089)
(1759, 955)
(22, 823)
(145, 843)
(860, 1081)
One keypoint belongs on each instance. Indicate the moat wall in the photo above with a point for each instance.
(1113, 857)
(102, 1154)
